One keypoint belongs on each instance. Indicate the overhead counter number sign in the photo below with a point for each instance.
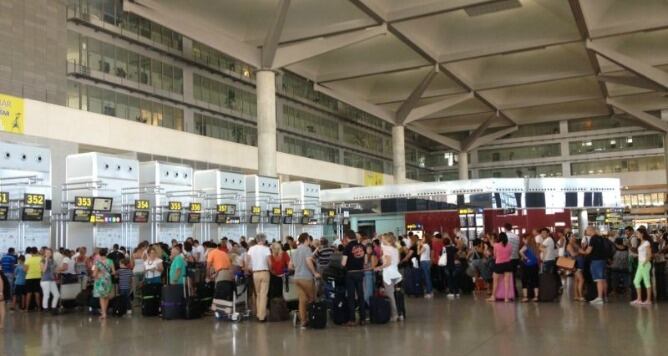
(142, 204)
(175, 205)
(256, 210)
(33, 199)
(195, 207)
(83, 202)
(4, 198)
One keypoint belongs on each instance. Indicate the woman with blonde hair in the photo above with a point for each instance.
(278, 266)
(390, 270)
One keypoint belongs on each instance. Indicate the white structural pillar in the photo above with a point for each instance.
(583, 221)
(266, 122)
(463, 165)
(398, 154)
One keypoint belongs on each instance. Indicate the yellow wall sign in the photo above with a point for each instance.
(11, 114)
(373, 178)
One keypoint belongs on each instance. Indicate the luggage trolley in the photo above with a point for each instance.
(237, 308)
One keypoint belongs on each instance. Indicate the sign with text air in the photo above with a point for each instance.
(11, 114)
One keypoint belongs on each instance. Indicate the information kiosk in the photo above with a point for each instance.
(25, 196)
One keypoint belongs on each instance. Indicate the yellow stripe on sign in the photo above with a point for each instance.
(373, 178)
(11, 114)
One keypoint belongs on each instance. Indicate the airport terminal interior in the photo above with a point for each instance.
(349, 177)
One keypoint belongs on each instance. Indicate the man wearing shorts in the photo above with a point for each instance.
(599, 261)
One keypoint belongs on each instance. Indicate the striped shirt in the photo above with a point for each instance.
(124, 278)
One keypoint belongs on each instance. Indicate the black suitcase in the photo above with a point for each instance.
(339, 312)
(413, 282)
(205, 293)
(94, 305)
(548, 287)
(379, 308)
(317, 315)
(401, 302)
(150, 304)
(193, 308)
(172, 305)
(117, 306)
(278, 310)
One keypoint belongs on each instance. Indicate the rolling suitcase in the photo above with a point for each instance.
(278, 310)
(379, 308)
(548, 287)
(117, 306)
(339, 311)
(413, 282)
(317, 315)
(172, 303)
(500, 294)
(150, 304)
(193, 308)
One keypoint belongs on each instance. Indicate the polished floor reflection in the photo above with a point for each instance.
(467, 326)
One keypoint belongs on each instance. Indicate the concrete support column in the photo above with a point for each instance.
(463, 165)
(398, 154)
(266, 122)
(583, 221)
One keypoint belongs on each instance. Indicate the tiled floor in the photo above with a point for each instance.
(468, 326)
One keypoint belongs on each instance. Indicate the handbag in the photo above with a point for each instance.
(443, 259)
(566, 263)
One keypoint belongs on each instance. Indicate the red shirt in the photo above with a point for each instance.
(279, 264)
(436, 249)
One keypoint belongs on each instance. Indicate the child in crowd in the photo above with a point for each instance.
(125, 275)
(20, 284)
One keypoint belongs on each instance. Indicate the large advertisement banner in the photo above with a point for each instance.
(11, 114)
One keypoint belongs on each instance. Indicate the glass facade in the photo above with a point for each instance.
(309, 149)
(212, 58)
(309, 123)
(111, 12)
(539, 129)
(103, 57)
(442, 159)
(108, 102)
(224, 95)
(636, 164)
(225, 129)
(519, 153)
(621, 143)
(552, 170)
(600, 123)
(358, 137)
(357, 160)
(416, 156)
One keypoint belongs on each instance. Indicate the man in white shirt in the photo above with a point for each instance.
(257, 261)
(548, 251)
(198, 251)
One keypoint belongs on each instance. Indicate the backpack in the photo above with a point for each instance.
(609, 247)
